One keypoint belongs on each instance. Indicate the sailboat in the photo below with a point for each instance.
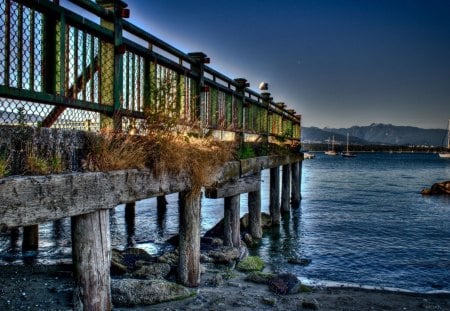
(347, 153)
(331, 151)
(446, 154)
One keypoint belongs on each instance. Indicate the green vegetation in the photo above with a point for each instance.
(42, 166)
(4, 167)
(250, 263)
(260, 277)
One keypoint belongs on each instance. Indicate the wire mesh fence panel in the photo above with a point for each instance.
(59, 69)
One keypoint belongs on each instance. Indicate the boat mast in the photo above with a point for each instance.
(347, 142)
(448, 134)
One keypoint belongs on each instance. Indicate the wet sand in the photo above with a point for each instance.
(50, 288)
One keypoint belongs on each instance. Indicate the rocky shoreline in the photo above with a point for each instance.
(231, 279)
(50, 288)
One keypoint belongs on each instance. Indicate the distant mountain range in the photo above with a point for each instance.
(376, 134)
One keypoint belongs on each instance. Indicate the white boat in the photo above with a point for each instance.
(347, 153)
(307, 155)
(446, 154)
(331, 151)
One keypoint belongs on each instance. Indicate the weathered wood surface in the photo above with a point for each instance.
(274, 205)
(232, 188)
(286, 189)
(91, 256)
(231, 221)
(29, 200)
(189, 246)
(254, 213)
(34, 199)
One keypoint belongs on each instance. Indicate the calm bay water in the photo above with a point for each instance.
(362, 221)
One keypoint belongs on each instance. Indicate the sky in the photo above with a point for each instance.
(338, 63)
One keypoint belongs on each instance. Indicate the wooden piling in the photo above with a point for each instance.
(91, 257)
(286, 189)
(30, 240)
(161, 203)
(189, 246)
(130, 222)
(231, 221)
(295, 187)
(254, 213)
(274, 206)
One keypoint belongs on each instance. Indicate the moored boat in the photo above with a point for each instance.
(446, 154)
(347, 153)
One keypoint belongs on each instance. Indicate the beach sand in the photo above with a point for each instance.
(50, 288)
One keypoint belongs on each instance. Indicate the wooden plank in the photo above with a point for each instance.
(29, 200)
(231, 188)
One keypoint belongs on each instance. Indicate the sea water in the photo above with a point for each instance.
(362, 221)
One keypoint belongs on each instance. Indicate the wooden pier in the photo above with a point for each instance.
(65, 75)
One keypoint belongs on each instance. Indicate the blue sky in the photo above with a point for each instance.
(337, 62)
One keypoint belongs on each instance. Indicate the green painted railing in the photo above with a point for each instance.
(61, 69)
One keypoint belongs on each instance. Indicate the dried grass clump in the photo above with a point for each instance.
(164, 153)
(115, 151)
(199, 158)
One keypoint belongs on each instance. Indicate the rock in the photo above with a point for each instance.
(269, 301)
(438, 188)
(117, 268)
(217, 230)
(260, 277)
(128, 260)
(132, 292)
(170, 258)
(266, 221)
(248, 239)
(206, 259)
(243, 251)
(285, 283)
(250, 263)
(153, 271)
(213, 242)
(224, 255)
(216, 280)
(311, 304)
(299, 261)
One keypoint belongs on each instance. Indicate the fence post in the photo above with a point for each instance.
(197, 66)
(111, 65)
(240, 91)
(266, 102)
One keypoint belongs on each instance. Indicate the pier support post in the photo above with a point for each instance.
(295, 189)
(254, 213)
(231, 221)
(274, 206)
(286, 189)
(189, 262)
(91, 256)
(130, 221)
(161, 203)
(30, 240)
